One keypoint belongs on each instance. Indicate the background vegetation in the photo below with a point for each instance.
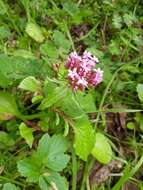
(47, 132)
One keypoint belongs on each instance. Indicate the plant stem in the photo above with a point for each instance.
(74, 169)
(85, 175)
(69, 36)
(12, 181)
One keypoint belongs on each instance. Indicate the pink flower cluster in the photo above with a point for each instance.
(81, 71)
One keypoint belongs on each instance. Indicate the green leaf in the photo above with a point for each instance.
(117, 21)
(10, 186)
(114, 48)
(128, 19)
(102, 150)
(30, 168)
(52, 180)
(8, 104)
(49, 157)
(70, 7)
(49, 49)
(14, 69)
(84, 134)
(131, 125)
(70, 106)
(139, 119)
(26, 133)
(52, 151)
(34, 31)
(24, 53)
(61, 41)
(86, 102)
(31, 84)
(5, 140)
(36, 99)
(140, 91)
(53, 96)
(84, 137)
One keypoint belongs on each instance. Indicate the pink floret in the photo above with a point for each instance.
(81, 71)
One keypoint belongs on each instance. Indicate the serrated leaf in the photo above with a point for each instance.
(34, 31)
(49, 155)
(117, 21)
(102, 150)
(114, 48)
(31, 84)
(52, 151)
(8, 104)
(30, 168)
(52, 180)
(140, 91)
(128, 19)
(84, 137)
(26, 133)
(10, 186)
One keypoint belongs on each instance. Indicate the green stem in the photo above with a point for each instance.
(74, 170)
(128, 173)
(12, 181)
(33, 116)
(85, 175)
(69, 36)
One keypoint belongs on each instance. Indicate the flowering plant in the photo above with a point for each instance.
(82, 72)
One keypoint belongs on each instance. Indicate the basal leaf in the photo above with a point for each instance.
(43, 146)
(10, 186)
(8, 104)
(48, 159)
(102, 150)
(51, 150)
(31, 84)
(13, 69)
(34, 31)
(26, 133)
(52, 180)
(30, 168)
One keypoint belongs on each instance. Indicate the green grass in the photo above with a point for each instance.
(36, 38)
